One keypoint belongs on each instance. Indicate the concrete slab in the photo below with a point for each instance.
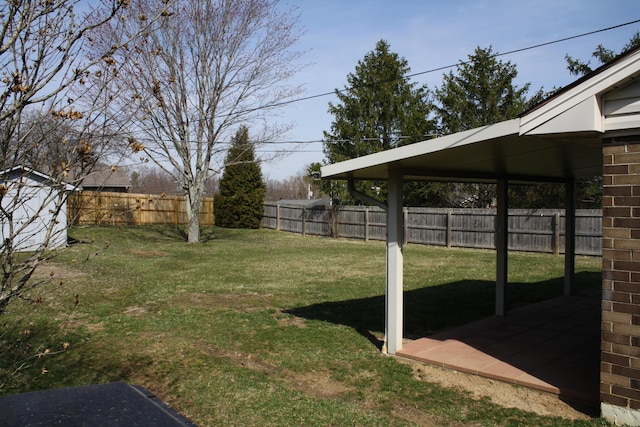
(553, 346)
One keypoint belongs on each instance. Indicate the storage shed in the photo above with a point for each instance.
(34, 209)
(588, 128)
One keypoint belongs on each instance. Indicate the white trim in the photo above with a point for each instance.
(595, 86)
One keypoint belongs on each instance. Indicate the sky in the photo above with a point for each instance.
(431, 34)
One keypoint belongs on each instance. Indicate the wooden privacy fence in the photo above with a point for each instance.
(88, 207)
(529, 230)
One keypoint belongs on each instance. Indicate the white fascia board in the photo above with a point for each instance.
(585, 116)
(484, 133)
(7, 172)
(591, 88)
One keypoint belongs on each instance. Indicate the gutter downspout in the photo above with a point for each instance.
(364, 197)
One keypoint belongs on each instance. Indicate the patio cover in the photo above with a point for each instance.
(484, 154)
(559, 140)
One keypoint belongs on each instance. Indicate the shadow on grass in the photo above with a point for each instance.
(174, 232)
(435, 308)
(207, 234)
(24, 367)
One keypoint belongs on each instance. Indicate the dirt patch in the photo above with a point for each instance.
(500, 393)
(317, 383)
(55, 272)
(147, 254)
(415, 416)
(284, 320)
(320, 384)
(135, 311)
(242, 302)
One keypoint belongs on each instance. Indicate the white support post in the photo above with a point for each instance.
(502, 245)
(394, 294)
(570, 238)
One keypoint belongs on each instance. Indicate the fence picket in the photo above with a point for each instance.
(88, 207)
(529, 230)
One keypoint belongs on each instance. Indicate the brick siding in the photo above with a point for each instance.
(620, 360)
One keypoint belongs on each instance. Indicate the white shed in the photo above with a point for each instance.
(33, 210)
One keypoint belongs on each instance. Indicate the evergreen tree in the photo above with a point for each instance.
(239, 203)
(379, 109)
(481, 92)
(602, 55)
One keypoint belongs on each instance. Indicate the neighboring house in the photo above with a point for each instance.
(588, 128)
(34, 209)
(103, 178)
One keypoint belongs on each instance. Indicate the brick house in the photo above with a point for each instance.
(588, 128)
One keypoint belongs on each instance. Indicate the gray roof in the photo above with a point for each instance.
(102, 176)
(105, 176)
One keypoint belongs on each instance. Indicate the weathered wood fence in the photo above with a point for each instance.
(529, 230)
(90, 207)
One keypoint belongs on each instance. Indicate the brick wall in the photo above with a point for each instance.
(620, 360)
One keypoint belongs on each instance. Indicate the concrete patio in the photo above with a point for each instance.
(553, 346)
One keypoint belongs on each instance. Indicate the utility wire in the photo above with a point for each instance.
(433, 70)
(511, 52)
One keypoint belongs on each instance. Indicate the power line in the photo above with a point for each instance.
(433, 70)
(511, 52)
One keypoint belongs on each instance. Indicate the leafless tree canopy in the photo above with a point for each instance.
(206, 67)
(45, 137)
(297, 187)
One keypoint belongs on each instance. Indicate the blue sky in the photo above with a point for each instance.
(434, 33)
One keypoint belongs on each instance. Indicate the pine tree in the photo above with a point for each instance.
(602, 55)
(239, 203)
(378, 110)
(481, 92)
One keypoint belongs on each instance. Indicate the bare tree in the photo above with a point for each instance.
(41, 43)
(294, 187)
(205, 68)
(152, 180)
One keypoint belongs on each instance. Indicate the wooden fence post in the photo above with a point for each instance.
(555, 229)
(448, 237)
(405, 224)
(366, 223)
(304, 221)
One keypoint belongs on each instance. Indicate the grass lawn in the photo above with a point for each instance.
(259, 327)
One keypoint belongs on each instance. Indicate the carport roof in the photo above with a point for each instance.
(482, 154)
(558, 140)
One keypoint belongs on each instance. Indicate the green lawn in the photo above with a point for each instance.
(258, 327)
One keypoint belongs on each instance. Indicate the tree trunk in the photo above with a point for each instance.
(193, 213)
(194, 229)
